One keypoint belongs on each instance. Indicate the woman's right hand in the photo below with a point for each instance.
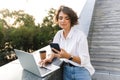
(47, 60)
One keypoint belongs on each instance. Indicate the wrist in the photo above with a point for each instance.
(68, 56)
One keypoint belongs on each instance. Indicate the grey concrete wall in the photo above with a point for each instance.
(104, 40)
(105, 76)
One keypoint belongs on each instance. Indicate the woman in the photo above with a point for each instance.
(74, 47)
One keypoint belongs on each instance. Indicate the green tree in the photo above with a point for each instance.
(1, 33)
(19, 18)
(22, 37)
(28, 35)
(23, 18)
(48, 28)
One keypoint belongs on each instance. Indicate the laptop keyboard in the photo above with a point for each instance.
(44, 70)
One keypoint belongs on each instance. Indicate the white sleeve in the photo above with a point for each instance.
(83, 51)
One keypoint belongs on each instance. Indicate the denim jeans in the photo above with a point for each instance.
(75, 73)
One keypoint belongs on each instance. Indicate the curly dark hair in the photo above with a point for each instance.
(71, 14)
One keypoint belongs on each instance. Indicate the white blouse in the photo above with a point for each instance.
(75, 44)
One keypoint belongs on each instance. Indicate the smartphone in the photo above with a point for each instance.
(55, 46)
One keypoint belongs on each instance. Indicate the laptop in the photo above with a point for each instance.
(28, 63)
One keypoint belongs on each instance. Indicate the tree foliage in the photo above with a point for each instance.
(27, 36)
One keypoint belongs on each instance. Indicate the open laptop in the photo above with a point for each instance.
(28, 63)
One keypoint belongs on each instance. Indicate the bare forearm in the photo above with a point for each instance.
(67, 56)
(74, 58)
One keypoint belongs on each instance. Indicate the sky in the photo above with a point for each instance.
(39, 8)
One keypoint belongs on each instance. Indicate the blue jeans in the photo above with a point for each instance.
(75, 73)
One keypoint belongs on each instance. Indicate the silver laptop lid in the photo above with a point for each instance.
(27, 61)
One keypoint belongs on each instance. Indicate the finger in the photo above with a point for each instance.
(44, 62)
(40, 62)
(55, 50)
